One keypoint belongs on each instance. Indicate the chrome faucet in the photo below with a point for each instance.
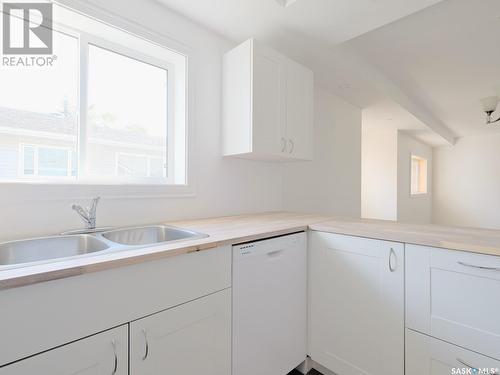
(88, 215)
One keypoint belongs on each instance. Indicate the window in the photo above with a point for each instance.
(109, 111)
(139, 165)
(47, 161)
(418, 175)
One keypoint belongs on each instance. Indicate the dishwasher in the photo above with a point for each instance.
(269, 305)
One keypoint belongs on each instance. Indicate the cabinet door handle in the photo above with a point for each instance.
(115, 363)
(479, 267)
(283, 144)
(292, 146)
(392, 254)
(146, 350)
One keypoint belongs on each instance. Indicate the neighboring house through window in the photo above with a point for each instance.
(110, 111)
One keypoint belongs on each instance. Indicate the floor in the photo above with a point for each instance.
(312, 372)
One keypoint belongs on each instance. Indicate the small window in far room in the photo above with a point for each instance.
(418, 175)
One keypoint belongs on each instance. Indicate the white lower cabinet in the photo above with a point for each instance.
(426, 355)
(103, 354)
(191, 339)
(454, 296)
(356, 316)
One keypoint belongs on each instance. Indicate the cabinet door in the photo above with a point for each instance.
(299, 111)
(429, 356)
(190, 339)
(453, 295)
(103, 354)
(269, 98)
(356, 304)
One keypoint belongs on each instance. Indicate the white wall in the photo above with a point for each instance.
(416, 208)
(330, 184)
(223, 186)
(379, 173)
(386, 176)
(467, 182)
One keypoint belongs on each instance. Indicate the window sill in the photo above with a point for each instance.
(35, 191)
(418, 195)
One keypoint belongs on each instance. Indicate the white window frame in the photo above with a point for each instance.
(86, 41)
(148, 158)
(419, 193)
(35, 174)
(65, 190)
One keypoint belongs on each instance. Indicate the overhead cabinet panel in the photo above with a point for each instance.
(268, 105)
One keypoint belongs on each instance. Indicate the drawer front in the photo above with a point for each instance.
(429, 356)
(45, 315)
(454, 296)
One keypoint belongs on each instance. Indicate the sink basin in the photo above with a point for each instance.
(150, 235)
(48, 248)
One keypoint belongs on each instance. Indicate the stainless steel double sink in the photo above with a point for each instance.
(45, 249)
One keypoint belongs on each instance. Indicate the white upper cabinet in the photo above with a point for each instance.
(356, 317)
(268, 105)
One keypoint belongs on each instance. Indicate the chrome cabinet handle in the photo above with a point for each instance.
(115, 363)
(392, 254)
(479, 267)
(292, 146)
(283, 144)
(146, 351)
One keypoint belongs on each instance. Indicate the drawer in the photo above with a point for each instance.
(429, 356)
(454, 296)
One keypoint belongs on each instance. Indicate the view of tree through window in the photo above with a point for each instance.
(129, 115)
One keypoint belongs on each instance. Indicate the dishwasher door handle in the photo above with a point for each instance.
(276, 253)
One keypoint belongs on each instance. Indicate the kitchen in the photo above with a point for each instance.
(275, 193)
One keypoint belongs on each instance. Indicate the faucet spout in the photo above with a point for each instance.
(89, 215)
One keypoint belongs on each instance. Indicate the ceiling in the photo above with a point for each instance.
(447, 57)
(331, 21)
(387, 114)
(422, 63)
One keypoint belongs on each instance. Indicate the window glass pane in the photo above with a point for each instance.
(132, 165)
(52, 162)
(74, 163)
(28, 160)
(38, 105)
(156, 167)
(418, 175)
(127, 114)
